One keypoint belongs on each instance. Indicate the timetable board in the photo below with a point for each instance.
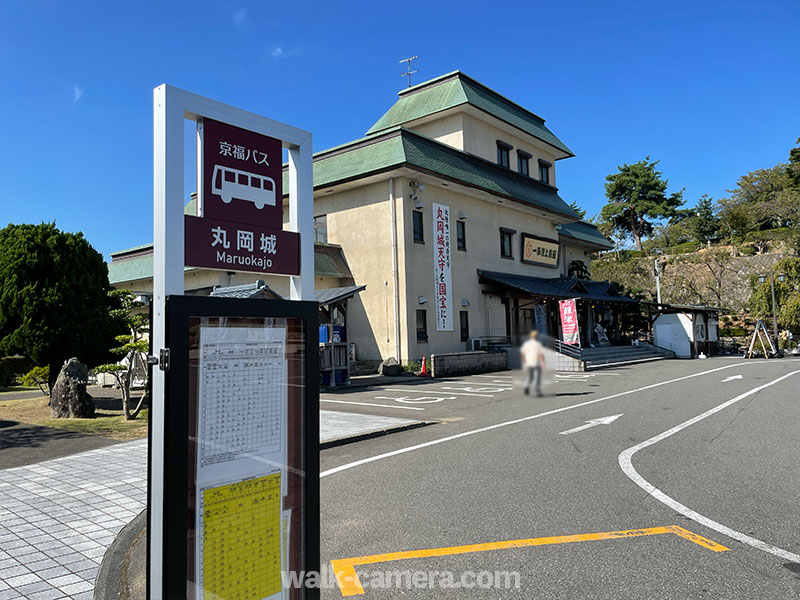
(241, 434)
(240, 475)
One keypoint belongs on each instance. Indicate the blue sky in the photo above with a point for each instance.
(711, 89)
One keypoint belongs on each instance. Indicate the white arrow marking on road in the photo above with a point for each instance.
(592, 423)
(731, 378)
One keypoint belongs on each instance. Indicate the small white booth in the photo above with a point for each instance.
(687, 330)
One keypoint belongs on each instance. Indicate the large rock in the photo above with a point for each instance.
(390, 367)
(69, 397)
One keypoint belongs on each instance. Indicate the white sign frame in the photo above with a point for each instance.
(171, 107)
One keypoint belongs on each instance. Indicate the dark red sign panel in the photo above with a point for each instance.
(217, 244)
(242, 176)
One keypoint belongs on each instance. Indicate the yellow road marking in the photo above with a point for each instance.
(350, 585)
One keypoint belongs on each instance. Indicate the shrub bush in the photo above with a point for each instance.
(13, 366)
(732, 332)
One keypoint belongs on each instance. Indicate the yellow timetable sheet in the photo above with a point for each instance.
(241, 553)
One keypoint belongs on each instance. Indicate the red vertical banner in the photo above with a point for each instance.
(569, 322)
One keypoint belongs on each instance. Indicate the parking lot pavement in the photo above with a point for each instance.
(455, 397)
(706, 508)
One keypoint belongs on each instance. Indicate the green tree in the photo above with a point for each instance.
(54, 300)
(37, 377)
(794, 166)
(578, 210)
(706, 223)
(132, 350)
(787, 295)
(636, 198)
(762, 199)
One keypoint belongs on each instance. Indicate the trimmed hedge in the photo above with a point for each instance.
(13, 366)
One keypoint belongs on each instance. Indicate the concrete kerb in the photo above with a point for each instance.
(373, 434)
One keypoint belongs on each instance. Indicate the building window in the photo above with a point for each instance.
(502, 153)
(506, 236)
(422, 325)
(523, 159)
(463, 317)
(419, 238)
(544, 171)
(321, 229)
(461, 235)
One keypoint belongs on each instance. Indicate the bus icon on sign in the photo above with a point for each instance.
(230, 183)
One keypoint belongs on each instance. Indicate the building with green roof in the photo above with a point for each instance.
(454, 179)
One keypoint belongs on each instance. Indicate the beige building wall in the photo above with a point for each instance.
(447, 130)
(480, 138)
(574, 253)
(483, 223)
(360, 221)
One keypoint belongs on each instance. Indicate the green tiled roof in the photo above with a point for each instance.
(130, 250)
(405, 148)
(455, 89)
(131, 269)
(585, 232)
(329, 261)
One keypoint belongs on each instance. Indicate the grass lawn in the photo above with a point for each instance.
(108, 420)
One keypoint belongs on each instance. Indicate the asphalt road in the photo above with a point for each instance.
(496, 468)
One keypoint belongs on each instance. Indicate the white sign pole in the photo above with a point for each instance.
(301, 217)
(171, 106)
(167, 279)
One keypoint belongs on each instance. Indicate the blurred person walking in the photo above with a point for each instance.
(533, 363)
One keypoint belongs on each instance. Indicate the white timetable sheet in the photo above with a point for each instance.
(242, 408)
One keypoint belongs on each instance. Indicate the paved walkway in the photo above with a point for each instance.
(341, 425)
(58, 517)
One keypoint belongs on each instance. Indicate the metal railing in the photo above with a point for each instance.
(571, 350)
(494, 341)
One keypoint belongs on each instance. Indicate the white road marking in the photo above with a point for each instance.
(370, 404)
(450, 438)
(479, 390)
(407, 391)
(731, 378)
(592, 423)
(627, 466)
(494, 376)
(420, 400)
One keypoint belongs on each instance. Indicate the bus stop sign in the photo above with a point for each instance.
(239, 223)
(242, 179)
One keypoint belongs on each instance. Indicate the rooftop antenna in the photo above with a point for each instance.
(410, 71)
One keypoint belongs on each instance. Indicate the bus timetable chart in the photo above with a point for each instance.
(241, 411)
(241, 547)
(242, 394)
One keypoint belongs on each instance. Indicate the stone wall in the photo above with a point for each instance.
(467, 363)
(715, 278)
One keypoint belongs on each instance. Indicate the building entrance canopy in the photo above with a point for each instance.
(555, 287)
(532, 303)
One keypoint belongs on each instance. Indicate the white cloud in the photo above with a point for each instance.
(279, 52)
(239, 17)
(77, 92)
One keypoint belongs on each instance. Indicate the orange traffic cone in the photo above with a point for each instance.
(424, 367)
